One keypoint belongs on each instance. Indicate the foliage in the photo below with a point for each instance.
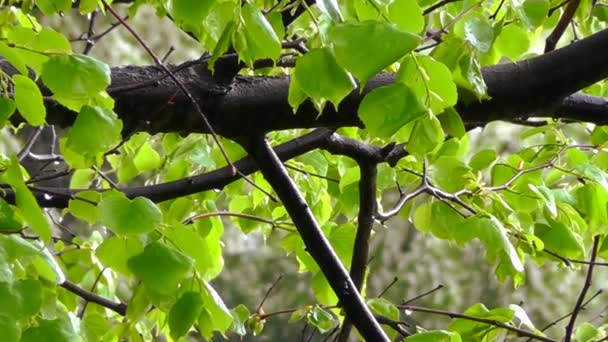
(149, 244)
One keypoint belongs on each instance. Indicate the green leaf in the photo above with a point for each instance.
(406, 14)
(591, 200)
(431, 81)
(94, 325)
(220, 318)
(8, 221)
(532, 12)
(75, 77)
(114, 252)
(587, 332)
(331, 9)
(546, 196)
(386, 109)
(10, 328)
(49, 7)
(477, 331)
(321, 319)
(95, 131)
(160, 267)
(482, 159)
(426, 136)
(129, 217)
(146, 158)
(240, 315)
(558, 238)
(493, 234)
(12, 56)
(26, 202)
(190, 14)
(319, 77)
(206, 251)
(255, 39)
(513, 41)
(434, 335)
(384, 45)
(437, 218)
(477, 30)
(448, 173)
(56, 330)
(184, 313)
(451, 122)
(82, 208)
(29, 100)
(7, 108)
(384, 307)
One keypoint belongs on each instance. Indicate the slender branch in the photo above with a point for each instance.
(518, 331)
(259, 309)
(437, 5)
(586, 286)
(315, 241)
(365, 223)
(562, 24)
(570, 313)
(424, 294)
(119, 308)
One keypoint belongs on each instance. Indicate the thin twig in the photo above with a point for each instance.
(387, 287)
(259, 309)
(518, 331)
(570, 313)
(86, 302)
(424, 294)
(586, 286)
(90, 33)
(437, 5)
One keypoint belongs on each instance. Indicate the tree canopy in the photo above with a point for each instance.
(309, 122)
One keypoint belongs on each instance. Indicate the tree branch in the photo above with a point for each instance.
(256, 104)
(586, 286)
(119, 308)
(365, 222)
(316, 243)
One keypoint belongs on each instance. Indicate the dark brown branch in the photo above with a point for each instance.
(586, 286)
(119, 308)
(562, 24)
(365, 223)
(534, 87)
(316, 243)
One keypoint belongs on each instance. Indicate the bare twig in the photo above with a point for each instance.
(518, 331)
(424, 294)
(259, 309)
(586, 286)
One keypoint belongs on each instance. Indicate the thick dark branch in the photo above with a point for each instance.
(316, 243)
(250, 104)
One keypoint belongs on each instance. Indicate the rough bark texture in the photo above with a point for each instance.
(245, 105)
